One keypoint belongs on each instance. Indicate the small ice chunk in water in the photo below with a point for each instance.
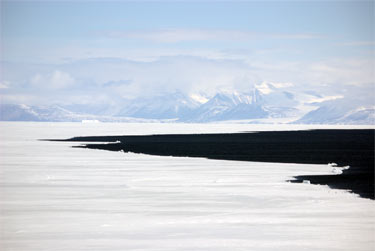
(337, 170)
(306, 182)
(340, 170)
(332, 164)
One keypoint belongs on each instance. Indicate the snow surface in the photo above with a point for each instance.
(54, 197)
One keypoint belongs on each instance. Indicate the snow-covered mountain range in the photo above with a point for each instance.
(264, 103)
(55, 113)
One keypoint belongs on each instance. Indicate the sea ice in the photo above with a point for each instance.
(54, 197)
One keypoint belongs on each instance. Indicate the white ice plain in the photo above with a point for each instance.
(54, 197)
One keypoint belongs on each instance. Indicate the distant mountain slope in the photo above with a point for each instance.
(266, 104)
(168, 106)
(341, 111)
(11, 112)
(229, 106)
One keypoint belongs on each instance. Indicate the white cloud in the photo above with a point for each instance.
(323, 99)
(282, 85)
(113, 79)
(267, 87)
(180, 35)
(20, 99)
(357, 43)
(350, 71)
(199, 98)
(55, 80)
(4, 84)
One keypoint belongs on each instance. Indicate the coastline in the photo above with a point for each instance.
(348, 147)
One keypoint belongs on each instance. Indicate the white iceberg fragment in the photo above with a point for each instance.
(337, 170)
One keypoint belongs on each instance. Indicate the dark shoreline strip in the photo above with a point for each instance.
(344, 147)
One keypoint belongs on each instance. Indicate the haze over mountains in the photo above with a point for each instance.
(188, 62)
(264, 103)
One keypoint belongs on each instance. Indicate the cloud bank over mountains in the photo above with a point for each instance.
(113, 79)
(189, 61)
(189, 89)
(266, 102)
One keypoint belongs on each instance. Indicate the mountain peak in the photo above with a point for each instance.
(224, 105)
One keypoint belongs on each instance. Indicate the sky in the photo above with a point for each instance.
(104, 52)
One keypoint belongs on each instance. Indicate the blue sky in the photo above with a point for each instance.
(230, 45)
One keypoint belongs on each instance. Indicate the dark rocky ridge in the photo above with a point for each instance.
(344, 147)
